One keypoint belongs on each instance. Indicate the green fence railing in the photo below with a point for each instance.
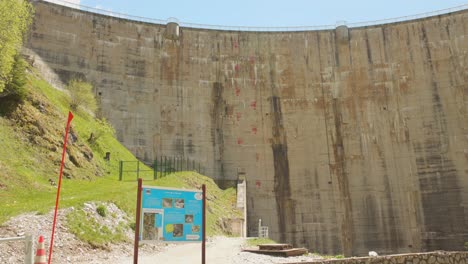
(161, 167)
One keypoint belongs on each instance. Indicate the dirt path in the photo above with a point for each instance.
(219, 250)
(225, 250)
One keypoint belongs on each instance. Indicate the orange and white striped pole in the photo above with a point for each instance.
(40, 257)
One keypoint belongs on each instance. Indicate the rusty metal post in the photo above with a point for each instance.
(203, 223)
(137, 223)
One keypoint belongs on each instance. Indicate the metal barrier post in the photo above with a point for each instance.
(160, 167)
(155, 169)
(173, 165)
(28, 250)
(138, 169)
(120, 170)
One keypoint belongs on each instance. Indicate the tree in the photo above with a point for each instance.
(15, 19)
(15, 86)
(82, 95)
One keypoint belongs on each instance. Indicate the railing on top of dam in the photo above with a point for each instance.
(248, 28)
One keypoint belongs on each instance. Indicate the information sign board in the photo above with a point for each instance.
(171, 215)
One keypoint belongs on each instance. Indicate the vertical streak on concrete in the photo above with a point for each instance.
(437, 174)
(284, 204)
(217, 120)
(339, 167)
(337, 242)
(343, 55)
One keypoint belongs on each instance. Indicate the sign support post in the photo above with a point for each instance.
(137, 224)
(204, 224)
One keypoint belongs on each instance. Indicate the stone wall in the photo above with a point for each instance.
(438, 257)
(350, 139)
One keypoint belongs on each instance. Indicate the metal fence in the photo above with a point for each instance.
(247, 28)
(164, 165)
(262, 230)
(28, 249)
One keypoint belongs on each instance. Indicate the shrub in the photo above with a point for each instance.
(103, 128)
(82, 95)
(15, 86)
(101, 210)
(15, 18)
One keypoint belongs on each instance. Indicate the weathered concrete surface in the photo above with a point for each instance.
(351, 141)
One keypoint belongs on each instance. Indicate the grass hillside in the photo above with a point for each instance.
(31, 139)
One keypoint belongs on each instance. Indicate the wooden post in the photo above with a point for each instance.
(203, 223)
(137, 223)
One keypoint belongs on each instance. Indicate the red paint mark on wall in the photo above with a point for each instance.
(237, 67)
(253, 104)
(258, 184)
(237, 91)
(235, 44)
(252, 60)
(240, 141)
(254, 130)
(238, 116)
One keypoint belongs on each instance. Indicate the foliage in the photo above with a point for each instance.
(87, 229)
(82, 95)
(26, 167)
(104, 128)
(101, 210)
(15, 19)
(259, 241)
(15, 86)
(328, 256)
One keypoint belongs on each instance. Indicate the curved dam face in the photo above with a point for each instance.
(351, 140)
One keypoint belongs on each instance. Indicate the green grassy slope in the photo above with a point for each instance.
(31, 139)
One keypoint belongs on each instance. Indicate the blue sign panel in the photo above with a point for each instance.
(171, 215)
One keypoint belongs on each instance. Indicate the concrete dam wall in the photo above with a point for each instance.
(350, 139)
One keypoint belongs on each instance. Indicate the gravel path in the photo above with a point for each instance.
(68, 249)
(226, 250)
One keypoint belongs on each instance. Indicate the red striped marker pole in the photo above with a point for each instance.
(40, 257)
(70, 117)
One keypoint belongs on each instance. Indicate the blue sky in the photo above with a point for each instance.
(272, 12)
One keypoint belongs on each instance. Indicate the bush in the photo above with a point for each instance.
(103, 128)
(82, 95)
(15, 86)
(15, 18)
(101, 210)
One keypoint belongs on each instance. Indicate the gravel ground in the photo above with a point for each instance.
(226, 250)
(68, 249)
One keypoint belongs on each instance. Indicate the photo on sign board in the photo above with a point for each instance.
(150, 231)
(195, 229)
(178, 230)
(167, 202)
(189, 218)
(179, 203)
